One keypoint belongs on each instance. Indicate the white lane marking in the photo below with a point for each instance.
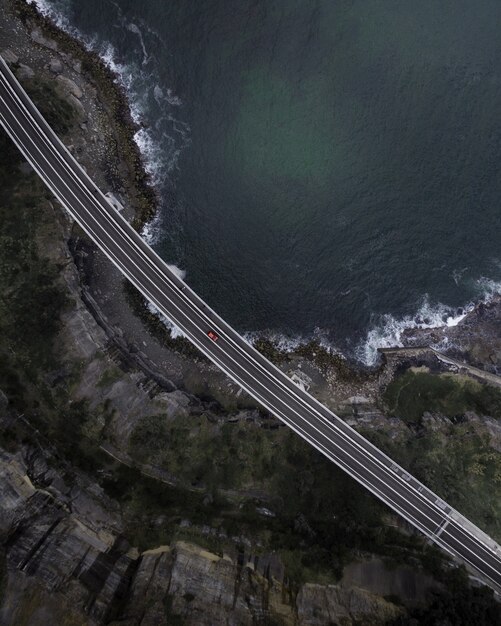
(441, 527)
(287, 389)
(257, 361)
(281, 380)
(308, 437)
(152, 297)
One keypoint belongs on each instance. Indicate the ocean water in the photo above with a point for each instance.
(327, 168)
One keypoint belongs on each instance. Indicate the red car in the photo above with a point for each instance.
(212, 335)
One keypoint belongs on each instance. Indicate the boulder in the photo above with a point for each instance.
(9, 56)
(55, 66)
(69, 86)
(38, 38)
(25, 72)
(77, 105)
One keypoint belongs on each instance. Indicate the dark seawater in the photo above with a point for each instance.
(328, 168)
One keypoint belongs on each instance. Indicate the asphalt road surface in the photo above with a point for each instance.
(240, 361)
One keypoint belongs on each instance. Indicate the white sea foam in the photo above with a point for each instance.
(159, 151)
(388, 330)
(57, 11)
(133, 28)
(289, 343)
(177, 271)
(175, 331)
(160, 158)
(488, 288)
(173, 99)
(282, 342)
(152, 230)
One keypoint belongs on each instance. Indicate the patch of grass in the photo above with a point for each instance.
(300, 568)
(110, 376)
(150, 436)
(322, 518)
(153, 509)
(56, 110)
(457, 462)
(322, 511)
(31, 295)
(228, 455)
(413, 393)
(32, 299)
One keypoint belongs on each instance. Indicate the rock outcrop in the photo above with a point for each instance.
(68, 563)
(331, 604)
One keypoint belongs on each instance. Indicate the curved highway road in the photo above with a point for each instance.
(240, 361)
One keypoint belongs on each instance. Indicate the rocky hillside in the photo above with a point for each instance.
(137, 485)
(69, 563)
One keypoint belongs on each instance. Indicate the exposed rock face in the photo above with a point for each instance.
(477, 339)
(319, 604)
(68, 564)
(62, 538)
(411, 586)
(67, 560)
(69, 86)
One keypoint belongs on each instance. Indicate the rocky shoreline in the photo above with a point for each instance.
(64, 536)
(122, 313)
(104, 144)
(143, 200)
(134, 337)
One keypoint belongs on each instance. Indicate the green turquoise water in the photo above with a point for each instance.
(328, 168)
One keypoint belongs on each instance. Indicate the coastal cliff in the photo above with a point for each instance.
(69, 563)
(137, 484)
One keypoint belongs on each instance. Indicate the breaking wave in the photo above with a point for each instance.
(175, 331)
(281, 342)
(139, 78)
(290, 343)
(387, 331)
(160, 151)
